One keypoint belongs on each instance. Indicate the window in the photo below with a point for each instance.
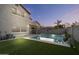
(23, 30)
(14, 10)
(17, 11)
(15, 29)
(24, 14)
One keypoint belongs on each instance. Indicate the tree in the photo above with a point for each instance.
(58, 24)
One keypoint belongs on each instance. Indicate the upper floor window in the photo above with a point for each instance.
(14, 10)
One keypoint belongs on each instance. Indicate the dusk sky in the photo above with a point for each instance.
(47, 14)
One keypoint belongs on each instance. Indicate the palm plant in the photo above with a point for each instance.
(58, 25)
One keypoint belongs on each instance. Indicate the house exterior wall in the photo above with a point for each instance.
(13, 18)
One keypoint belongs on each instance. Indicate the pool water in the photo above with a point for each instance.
(58, 38)
(49, 37)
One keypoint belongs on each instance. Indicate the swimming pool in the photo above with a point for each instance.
(49, 37)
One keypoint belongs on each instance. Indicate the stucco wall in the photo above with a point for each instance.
(75, 32)
(8, 20)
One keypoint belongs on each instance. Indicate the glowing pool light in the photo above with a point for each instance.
(53, 35)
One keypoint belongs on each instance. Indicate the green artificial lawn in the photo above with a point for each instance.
(22, 46)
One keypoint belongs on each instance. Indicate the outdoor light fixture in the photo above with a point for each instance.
(19, 41)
